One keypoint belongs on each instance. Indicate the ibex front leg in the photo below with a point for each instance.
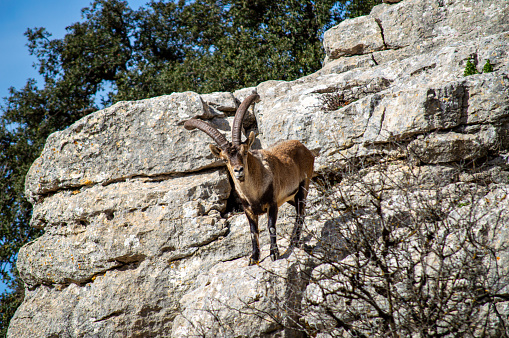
(255, 233)
(272, 215)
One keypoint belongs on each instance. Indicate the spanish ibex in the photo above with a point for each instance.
(265, 178)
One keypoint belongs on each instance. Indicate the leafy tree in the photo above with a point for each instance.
(243, 44)
(129, 55)
(358, 8)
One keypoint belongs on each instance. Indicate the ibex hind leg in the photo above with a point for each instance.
(274, 251)
(300, 206)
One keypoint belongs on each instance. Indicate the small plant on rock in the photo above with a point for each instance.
(470, 69)
(333, 101)
(487, 68)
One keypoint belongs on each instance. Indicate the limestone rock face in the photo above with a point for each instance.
(129, 139)
(407, 83)
(142, 234)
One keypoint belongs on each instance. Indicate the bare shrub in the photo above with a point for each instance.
(423, 256)
(396, 250)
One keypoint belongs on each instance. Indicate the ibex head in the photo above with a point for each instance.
(234, 154)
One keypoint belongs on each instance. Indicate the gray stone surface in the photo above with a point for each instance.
(130, 139)
(96, 229)
(361, 35)
(421, 24)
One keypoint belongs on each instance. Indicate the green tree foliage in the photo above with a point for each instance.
(358, 8)
(242, 43)
(167, 46)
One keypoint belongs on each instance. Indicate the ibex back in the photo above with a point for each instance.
(264, 179)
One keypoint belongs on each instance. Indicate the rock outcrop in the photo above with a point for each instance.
(141, 234)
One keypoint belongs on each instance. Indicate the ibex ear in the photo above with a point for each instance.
(216, 151)
(250, 139)
(244, 147)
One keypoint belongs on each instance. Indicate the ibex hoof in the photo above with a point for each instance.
(274, 255)
(253, 261)
(307, 248)
(296, 243)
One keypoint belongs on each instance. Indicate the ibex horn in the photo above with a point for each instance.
(239, 117)
(209, 130)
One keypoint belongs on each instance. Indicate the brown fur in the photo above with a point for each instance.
(272, 177)
(285, 165)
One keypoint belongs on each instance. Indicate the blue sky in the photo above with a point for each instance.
(18, 15)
